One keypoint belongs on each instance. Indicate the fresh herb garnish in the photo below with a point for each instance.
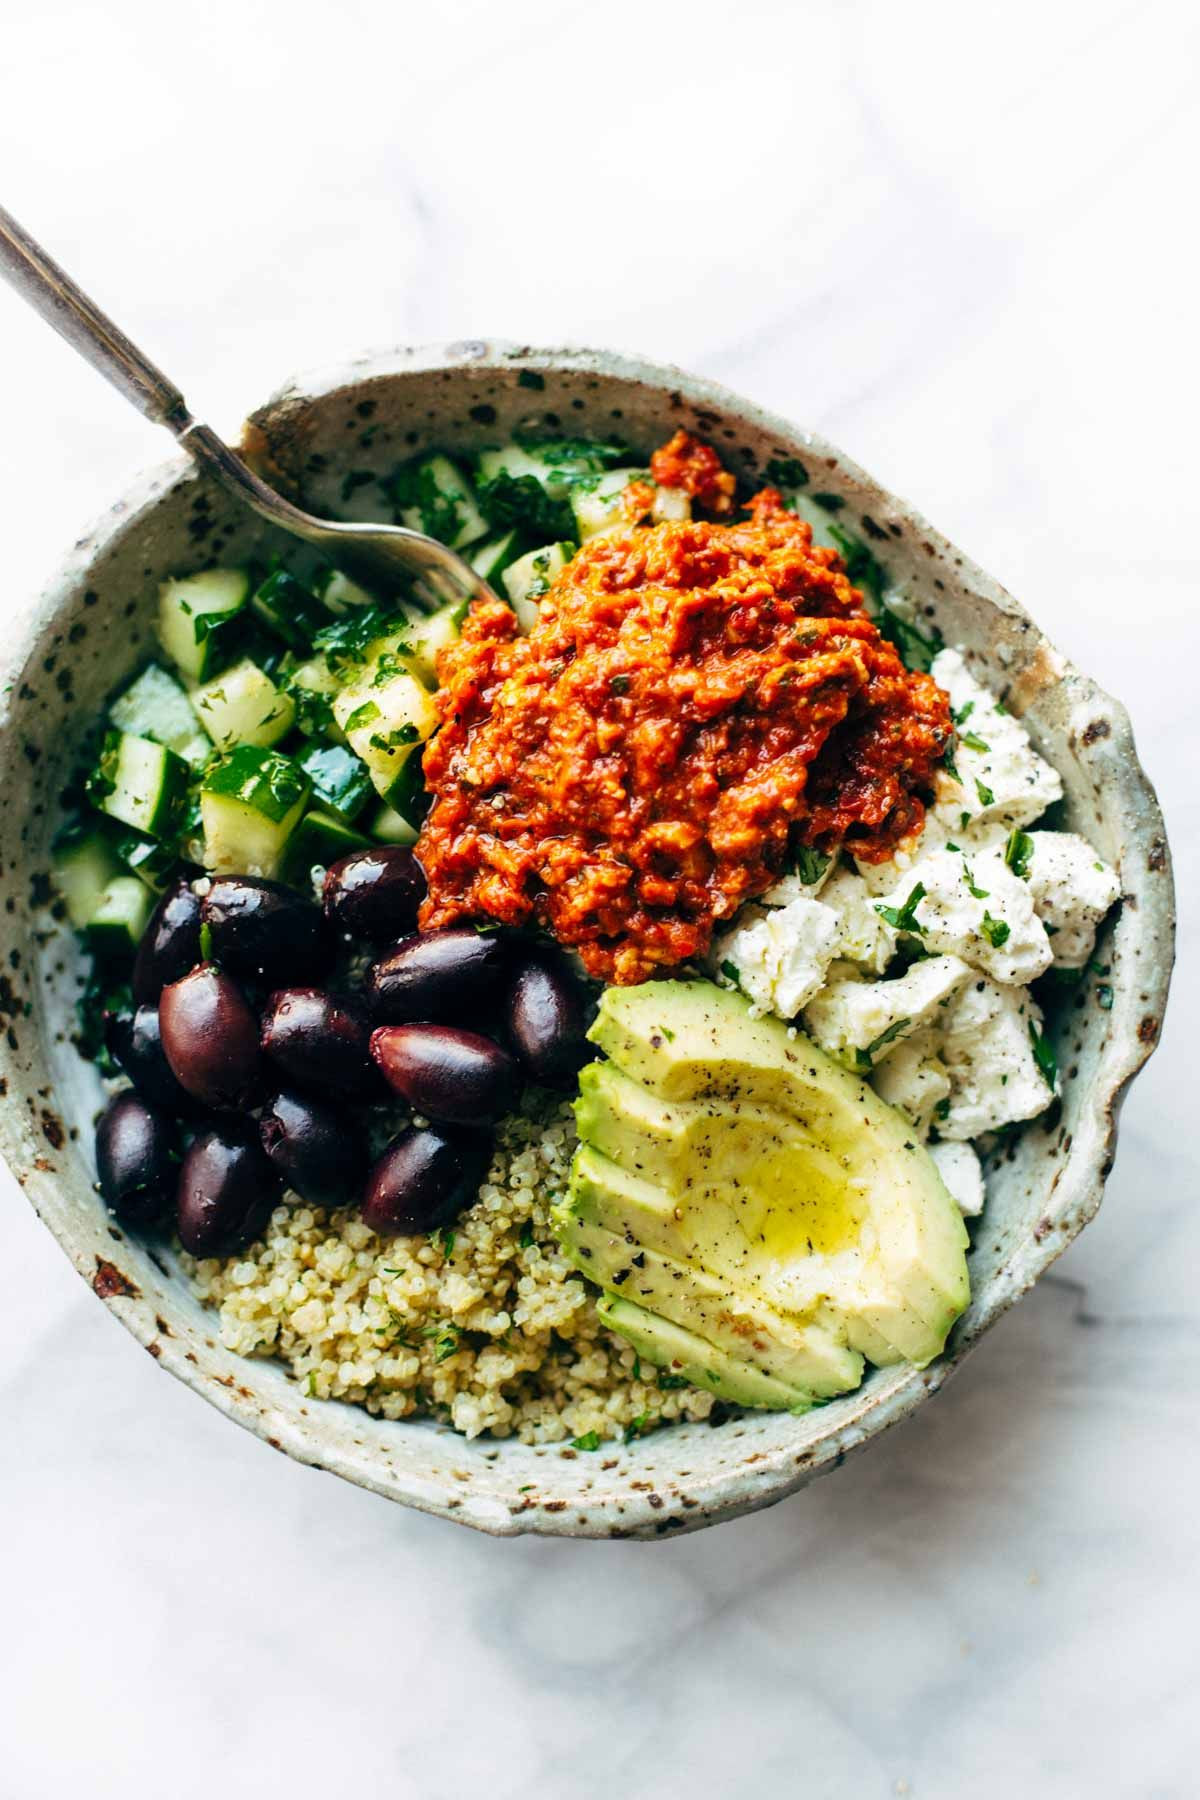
(904, 918)
(590, 1440)
(786, 472)
(976, 893)
(206, 942)
(865, 1059)
(964, 712)
(809, 865)
(996, 931)
(972, 741)
(636, 1427)
(986, 796)
(730, 972)
(444, 1239)
(1043, 1055)
(1018, 852)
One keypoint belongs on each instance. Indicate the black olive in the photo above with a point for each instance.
(227, 1188)
(170, 944)
(547, 1019)
(446, 1073)
(210, 1038)
(315, 1149)
(374, 894)
(438, 975)
(321, 1041)
(134, 1040)
(134, 1160)
(424, 1179)
(266, 931)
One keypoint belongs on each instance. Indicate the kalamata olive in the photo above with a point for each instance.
(374, 894)
(424, 1179)
(134, 1162)
(321, 1041)
(210, 1037)
(265, 930)
(316, 1149)
(170, 944)
(227, 1188)
(134, 1040)
(437, 975)
(447, 1074)
(547, 1019)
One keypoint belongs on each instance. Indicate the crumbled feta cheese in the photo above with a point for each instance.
(863, 937)
(1071, 889)
(670, 504)
(780, 955)
(1002, 778)
(913, 1079)
(979, 911)
(960, 1170)
(987, 1047)
(861, 1022)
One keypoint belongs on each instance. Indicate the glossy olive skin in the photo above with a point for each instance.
(424, 1179)
(264, 931)
(321, 1042)
(210, 1038)
(170, 944)
(138, 1173)
(444, 1073)
(227, 1188)
(547, 1019)
(315, 1149)
(134, 1040)
(373, 895)
(437, 975)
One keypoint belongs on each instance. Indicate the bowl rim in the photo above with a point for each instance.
(734, 1490)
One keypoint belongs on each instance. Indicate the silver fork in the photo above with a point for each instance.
(383, 558)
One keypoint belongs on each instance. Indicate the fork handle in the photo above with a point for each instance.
(51, 292)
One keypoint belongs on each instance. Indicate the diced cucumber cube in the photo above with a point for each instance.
(431, 634)
(289, 609)
(432, 496)
(493, 557)
(244, 706)
(341, 781)
(250, 803)
(386, 714)
(200, 620)
(151, 860)
(318, 840)
(139, 782)
(313, 686)
(155, 705)
(596, 503)
(120, 917)
(556, 465)
(339, 594)
(387, 826)
(84, 864)
(526, 580)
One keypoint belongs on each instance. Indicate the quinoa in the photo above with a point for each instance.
(485, 1325)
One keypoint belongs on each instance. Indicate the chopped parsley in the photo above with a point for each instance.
(1043, 1055)
(986, 796)
(589, 1441)
(789, 472)
(445, 1242)
(1018, 852)
(636, 1427)
(996, 931)
(206, 942)
(904, 918)
(976, 893)
(809, 865)
(668, 1381)
(973, 741)
(730, 972)
(366, 714)
(963, 714)
(865, 1059)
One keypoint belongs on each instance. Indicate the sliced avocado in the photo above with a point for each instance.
(670, 1346)
(729, 1148)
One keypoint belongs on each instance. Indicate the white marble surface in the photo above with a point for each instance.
(960, 240)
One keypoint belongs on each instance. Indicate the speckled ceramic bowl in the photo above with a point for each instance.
(88, 633)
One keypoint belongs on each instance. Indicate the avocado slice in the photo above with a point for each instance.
(672, 1347)
(743, 1165)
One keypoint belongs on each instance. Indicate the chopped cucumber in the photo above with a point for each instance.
(244, 706)
(250, 804)
(318, 840)
(121, 916)
(431, 633)
(493, 557)
(341, 781)
(596, 504)
(287, 608)
(338, 593)
(200, 620)
(556, 465)
(84, 864)
(386, 713)
(155, 705)
(526, 580)
(139, 782)
(149, 859)
(312, 686)
(431, 495)
(387, 826)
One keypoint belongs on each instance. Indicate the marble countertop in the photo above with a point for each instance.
(958, 243)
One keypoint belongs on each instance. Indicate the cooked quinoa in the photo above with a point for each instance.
(485, 1325)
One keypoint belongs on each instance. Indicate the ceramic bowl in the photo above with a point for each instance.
(325, 437)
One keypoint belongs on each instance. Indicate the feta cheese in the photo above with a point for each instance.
(960, 1170)
(987, 1047)
(863, 937)
(861, 1022)
(913, 1079)
(781, 955)
(1071, 889)
(980, 912)
(1003, 779)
